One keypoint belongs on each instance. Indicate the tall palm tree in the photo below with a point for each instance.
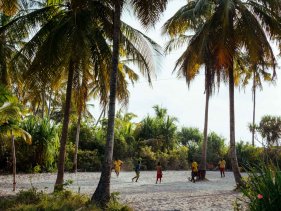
(82, 94)
(231, 27)
(148, 12)
(197, 53)
(257, 74)
(65, 44)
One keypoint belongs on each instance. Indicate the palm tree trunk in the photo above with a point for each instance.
(102, 193)
(254, 107)
(102, 112)
(61, 161)
(50, 102)
(43, 103)
(77, 141)
(205, 142)
(14, 161)
(233, 155)
(4, 70)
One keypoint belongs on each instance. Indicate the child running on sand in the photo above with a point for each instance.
(117, 166)
(159, 172)
(137, 170)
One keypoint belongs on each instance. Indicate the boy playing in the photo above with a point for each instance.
(137, 170)
(222, 167)
(159, 172)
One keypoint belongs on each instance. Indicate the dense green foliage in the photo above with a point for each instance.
(155, 138)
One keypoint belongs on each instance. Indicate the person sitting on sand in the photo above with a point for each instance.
(222, 166)
(137, 170)
(194, 170)
(159, 172)
(117, 166)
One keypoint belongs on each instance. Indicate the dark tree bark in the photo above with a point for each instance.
(254, 107)
(205, 142)
(77, 141)
(102, 193)
(14, 162)
(61, 161)
(233, 156)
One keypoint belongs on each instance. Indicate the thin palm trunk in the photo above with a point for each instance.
(205, 142)
(60, 175)
(101, 114)
(254, 108)
(102, 193)
(3, 65)
(43, 103)
(50, 102)
(233, 156)
(14, 162)
(77, 141)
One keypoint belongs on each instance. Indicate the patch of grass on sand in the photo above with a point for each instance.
(33, 199)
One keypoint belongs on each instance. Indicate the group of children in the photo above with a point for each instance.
(117, 167)
(194, 170)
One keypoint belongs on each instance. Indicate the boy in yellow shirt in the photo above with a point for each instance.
(117, 166)
(222, 167)
(194, 170)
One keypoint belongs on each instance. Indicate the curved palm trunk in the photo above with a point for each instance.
(254, 107)
(102, 193)
(233, 155)
(205, 142)
(77, 142)
(14, 162)
(59, 180)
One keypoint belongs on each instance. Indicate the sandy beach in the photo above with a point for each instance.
(175, 193)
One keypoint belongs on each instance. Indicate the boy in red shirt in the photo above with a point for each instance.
(159, 172)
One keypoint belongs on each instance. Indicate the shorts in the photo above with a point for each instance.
(159, 176)
(221, 169)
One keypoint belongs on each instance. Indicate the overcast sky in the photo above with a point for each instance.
(188, 104)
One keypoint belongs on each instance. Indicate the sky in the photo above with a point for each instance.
(187, 104)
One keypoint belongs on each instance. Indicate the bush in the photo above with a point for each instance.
(263, 188)
(89, 160)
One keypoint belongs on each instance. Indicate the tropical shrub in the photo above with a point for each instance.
(44, 148)
(263, 188)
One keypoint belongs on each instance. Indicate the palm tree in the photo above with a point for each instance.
(148, 12)
(232, 26)
(10, 114)
(258, 74)
(82, 94)
(197, 53)
(65, 45)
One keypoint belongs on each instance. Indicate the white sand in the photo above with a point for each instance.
(175, 192)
